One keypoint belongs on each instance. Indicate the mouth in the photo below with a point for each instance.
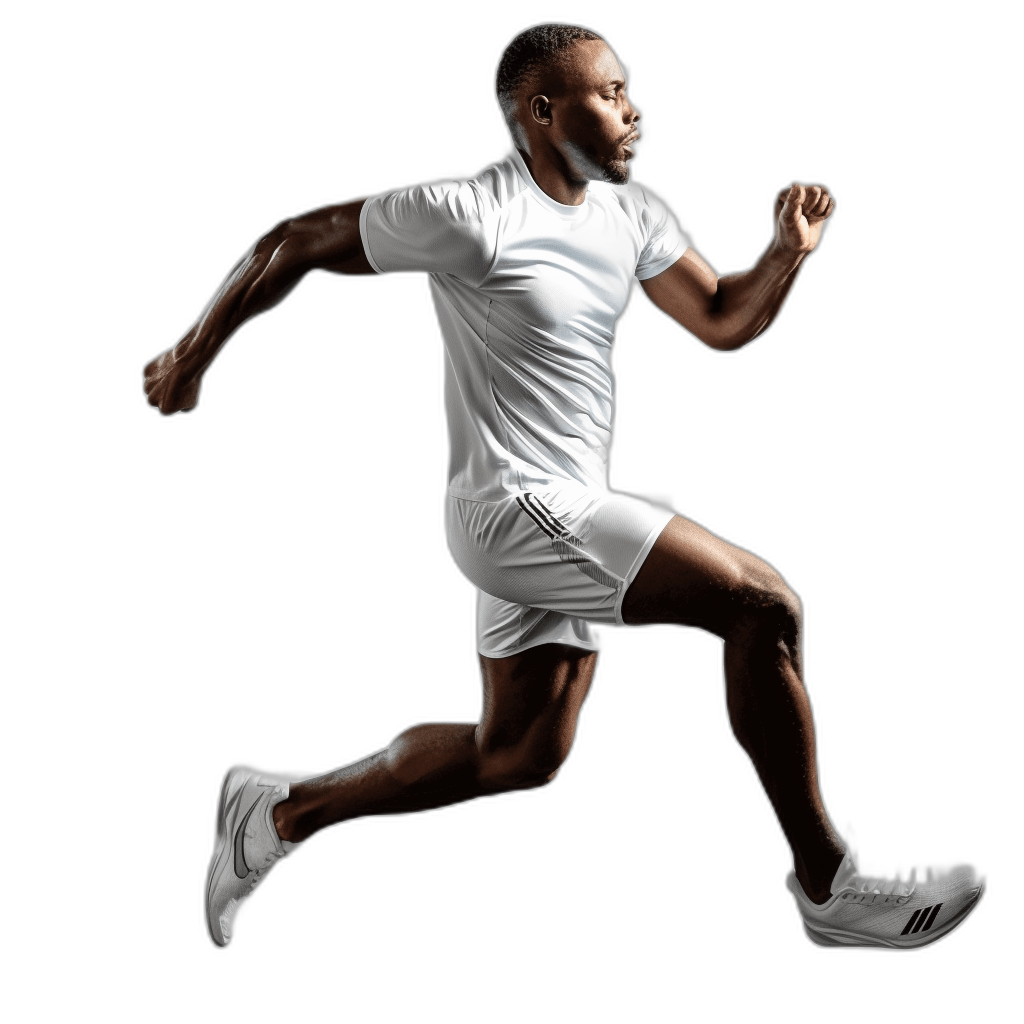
(628, 141)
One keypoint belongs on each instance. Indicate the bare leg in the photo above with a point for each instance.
(693, 578)
(531, 702)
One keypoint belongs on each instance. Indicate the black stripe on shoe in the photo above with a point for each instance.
(917, 927)
(931, 920)
(910, 923)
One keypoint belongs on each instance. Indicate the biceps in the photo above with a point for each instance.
(686, 292)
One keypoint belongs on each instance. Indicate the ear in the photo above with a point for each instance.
(540, 109)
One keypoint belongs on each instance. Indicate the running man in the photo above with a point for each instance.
(530, 266)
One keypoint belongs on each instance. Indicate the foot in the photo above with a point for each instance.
(887, 912)
(247, 845)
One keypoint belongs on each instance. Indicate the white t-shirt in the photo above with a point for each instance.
(527, 293)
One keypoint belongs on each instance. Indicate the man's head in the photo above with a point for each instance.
(560, 86)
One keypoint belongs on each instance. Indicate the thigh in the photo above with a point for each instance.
(693, 578)
(533, 699)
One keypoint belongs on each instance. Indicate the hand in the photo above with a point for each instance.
(800, 212)
(171, 382)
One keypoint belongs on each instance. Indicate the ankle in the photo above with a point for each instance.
(816, 877)
(285, 824)
(815, 890)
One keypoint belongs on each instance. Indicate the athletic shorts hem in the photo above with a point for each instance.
(539, 642)
(638, 562)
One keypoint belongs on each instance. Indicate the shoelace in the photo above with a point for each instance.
(881, 890)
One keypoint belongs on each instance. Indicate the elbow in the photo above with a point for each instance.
(732, 346)
(280, 235)
(725, 344)
(720, 331)
(724, 338)
(269, 246)
(274, 268)
(290, 234)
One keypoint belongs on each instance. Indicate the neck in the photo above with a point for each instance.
(554, 177)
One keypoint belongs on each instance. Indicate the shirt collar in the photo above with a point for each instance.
(560, 208)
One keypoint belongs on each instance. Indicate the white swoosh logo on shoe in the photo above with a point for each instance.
(241, 868)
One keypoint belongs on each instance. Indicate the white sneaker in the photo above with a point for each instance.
(247, 845)
(888, 912)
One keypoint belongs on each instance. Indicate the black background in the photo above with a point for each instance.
(295, 603)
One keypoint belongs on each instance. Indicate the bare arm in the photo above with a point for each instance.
(326, 239)
(727, 312)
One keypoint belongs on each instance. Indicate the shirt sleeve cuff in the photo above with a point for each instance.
(654, 269)
(362, 234)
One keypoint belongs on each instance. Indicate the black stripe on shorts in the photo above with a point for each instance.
(538, 506)
(536, 517)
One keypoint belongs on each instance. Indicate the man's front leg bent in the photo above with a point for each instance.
(693, 578)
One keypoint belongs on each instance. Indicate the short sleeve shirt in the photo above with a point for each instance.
(527, 292)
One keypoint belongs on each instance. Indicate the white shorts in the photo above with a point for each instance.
(548, 563)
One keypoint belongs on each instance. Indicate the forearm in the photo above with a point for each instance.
(261, 279)
(727, 312)
(327, 239)
(744, 305)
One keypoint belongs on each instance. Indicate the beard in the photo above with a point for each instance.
(616, 172)
(588, 167)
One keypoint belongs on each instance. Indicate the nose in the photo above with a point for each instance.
(630, 114)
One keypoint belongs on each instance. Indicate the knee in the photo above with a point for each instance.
(767, 606)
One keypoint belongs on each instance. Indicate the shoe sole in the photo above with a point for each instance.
(223, 852)
(838, 937)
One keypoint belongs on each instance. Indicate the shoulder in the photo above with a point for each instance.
(465, 202)
(449, 227)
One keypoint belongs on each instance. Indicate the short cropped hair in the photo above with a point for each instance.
(536, 48)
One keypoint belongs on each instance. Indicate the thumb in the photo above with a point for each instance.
(793, 207)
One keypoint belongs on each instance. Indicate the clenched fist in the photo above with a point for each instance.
(172, 380)
(800, 212)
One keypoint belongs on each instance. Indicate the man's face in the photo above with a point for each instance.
(594, 121)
